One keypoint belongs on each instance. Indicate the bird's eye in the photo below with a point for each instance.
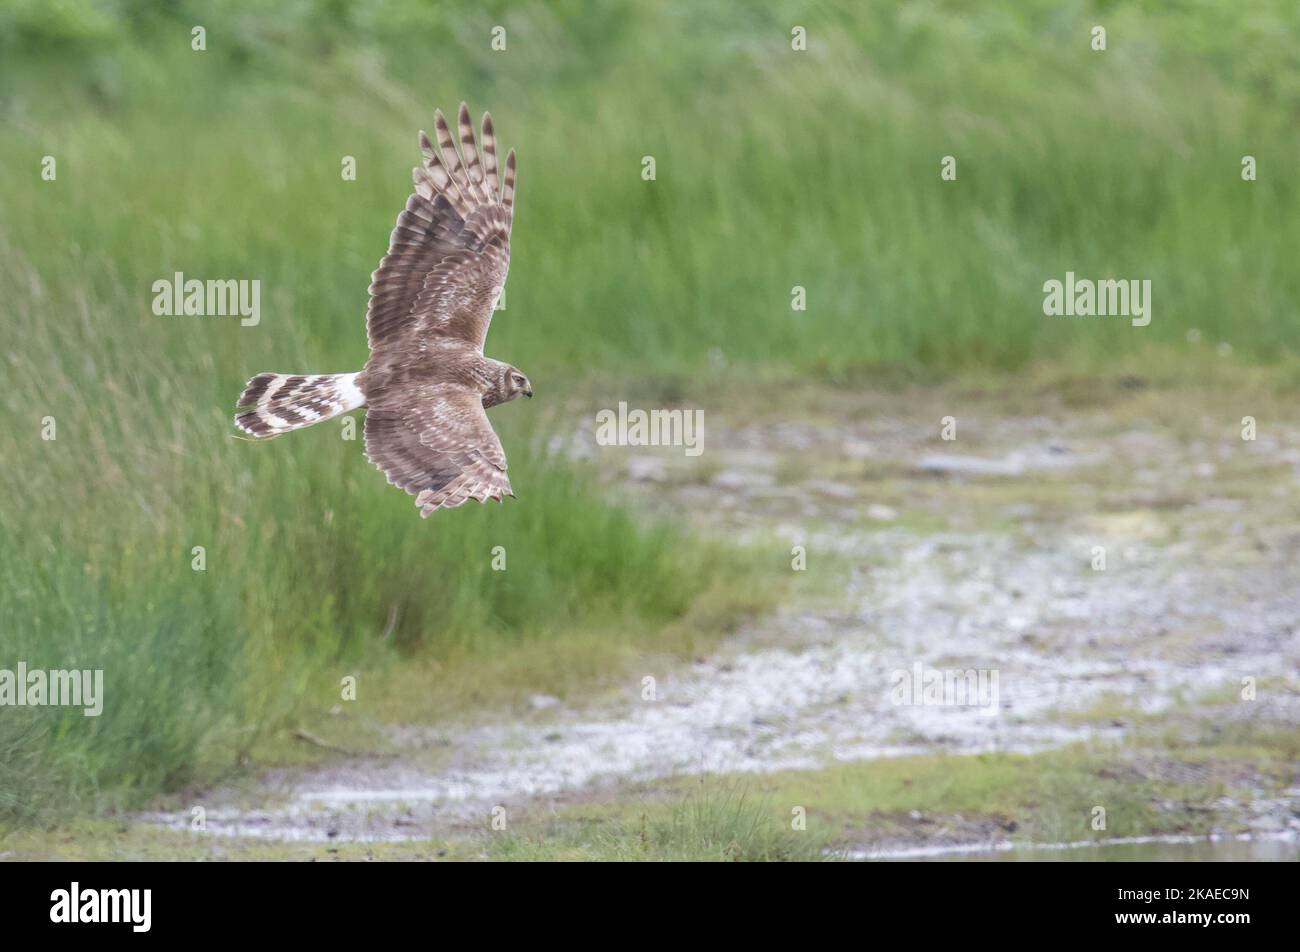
(519, 380)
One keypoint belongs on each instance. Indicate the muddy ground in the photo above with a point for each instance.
(1121, 560)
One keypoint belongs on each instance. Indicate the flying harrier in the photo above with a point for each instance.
(427, 384)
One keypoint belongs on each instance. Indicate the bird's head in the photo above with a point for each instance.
(517, 383)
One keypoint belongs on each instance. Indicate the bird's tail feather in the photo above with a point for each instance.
(272, 404)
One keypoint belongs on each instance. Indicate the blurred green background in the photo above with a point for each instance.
(774, 168)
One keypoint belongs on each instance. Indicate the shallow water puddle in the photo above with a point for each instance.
(1173, 849)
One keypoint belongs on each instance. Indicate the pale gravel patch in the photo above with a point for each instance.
(812, 686)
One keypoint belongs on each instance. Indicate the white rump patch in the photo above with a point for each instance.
(345, 385)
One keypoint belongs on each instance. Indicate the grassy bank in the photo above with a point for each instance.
(774, 168)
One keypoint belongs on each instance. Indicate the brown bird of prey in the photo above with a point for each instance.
(427, 383)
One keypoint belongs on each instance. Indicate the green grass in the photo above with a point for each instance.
(774, 169)
(716, 821)
(99, 574)
(930, 799)
(1148, 786)
(712, 822)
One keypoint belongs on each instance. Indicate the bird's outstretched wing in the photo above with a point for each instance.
(435, 442)
(450, 251)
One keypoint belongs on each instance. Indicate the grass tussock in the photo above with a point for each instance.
(221, 584)
(716, 821)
